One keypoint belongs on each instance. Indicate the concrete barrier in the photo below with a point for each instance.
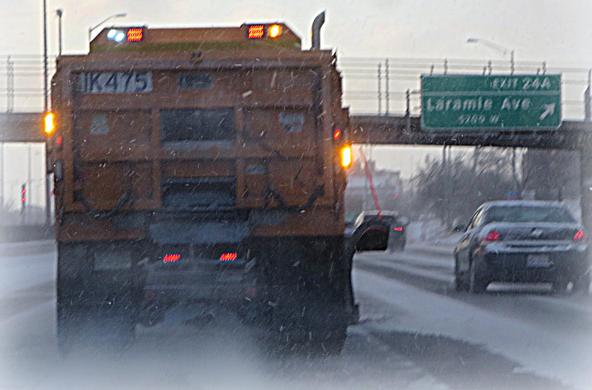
(20, 233)
(435, 250)
(25, 248)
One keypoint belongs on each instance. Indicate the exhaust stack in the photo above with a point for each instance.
(317, 24)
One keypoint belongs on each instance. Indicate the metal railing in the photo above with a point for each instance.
(386, 86)
(371, 85)
(21, 82)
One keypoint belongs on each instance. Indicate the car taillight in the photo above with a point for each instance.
(399, 229)
(337, 134)
(579, 235)
(492, 235)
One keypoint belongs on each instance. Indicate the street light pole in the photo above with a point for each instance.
(498, 48)
(45, 70)
(59, 13)
(45, 109)
(504, 51)
(93, 28)
(1, 176)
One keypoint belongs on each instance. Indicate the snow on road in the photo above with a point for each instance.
(402, 319)
(174, 354)
(23, 266)
(550, 336)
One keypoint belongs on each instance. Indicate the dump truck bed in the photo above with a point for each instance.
(262, 143)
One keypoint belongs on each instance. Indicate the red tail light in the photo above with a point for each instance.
(493, 235)
(399, 229)
(228, 256)
(337, 134)
(171, 258)
(579, 235)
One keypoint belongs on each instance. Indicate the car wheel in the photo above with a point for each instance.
(477, 285)
(459, 282)
(394, 247)
(582, 284)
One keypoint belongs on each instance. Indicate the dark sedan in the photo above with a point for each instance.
(397, 226)
(521, 242)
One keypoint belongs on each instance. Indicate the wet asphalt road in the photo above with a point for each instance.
(415, 333)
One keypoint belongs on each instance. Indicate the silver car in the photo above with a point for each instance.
(522, 241)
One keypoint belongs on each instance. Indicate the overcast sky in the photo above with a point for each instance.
(558, 31)
(553, 30)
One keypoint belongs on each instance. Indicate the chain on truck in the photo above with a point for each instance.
(202, 165)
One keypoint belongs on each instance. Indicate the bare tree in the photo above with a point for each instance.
(453, 193)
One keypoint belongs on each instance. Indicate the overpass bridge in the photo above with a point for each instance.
(380, 85)
(406, 130)
(21, 127)
(379, 130)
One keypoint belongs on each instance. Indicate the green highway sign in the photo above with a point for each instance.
(490, 102)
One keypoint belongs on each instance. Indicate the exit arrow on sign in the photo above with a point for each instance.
(549, 110)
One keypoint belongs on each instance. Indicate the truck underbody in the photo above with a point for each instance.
(297, 289)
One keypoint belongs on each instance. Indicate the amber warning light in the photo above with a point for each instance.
(135, 34)
(256, 31)
(274, 31)
(49, 123)
(132, 34)
(346, 156)
(262, 31)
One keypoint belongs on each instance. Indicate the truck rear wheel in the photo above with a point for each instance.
(306, 295)
(97, 298)
(294, 334)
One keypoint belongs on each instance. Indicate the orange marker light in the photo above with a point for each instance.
(256, 31)
(274, 31)
(345, 156)
(49, 123)
(135, 34)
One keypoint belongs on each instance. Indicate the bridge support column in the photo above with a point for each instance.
(586, 184)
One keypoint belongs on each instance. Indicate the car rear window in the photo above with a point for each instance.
(528, 214)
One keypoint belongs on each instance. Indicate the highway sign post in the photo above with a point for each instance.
(490, 102)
